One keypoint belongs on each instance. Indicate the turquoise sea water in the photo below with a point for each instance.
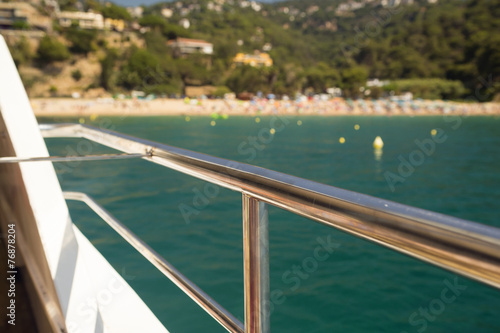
(360, 287)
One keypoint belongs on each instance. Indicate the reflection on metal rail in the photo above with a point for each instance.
(461, 246)
(13, 159)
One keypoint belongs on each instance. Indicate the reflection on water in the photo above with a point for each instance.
(378, 161)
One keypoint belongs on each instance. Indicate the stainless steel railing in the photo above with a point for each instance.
(189, 288)
(461, 246)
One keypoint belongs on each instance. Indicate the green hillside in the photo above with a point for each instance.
(449, 49)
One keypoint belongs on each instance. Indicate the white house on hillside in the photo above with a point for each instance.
(187, 46)
(85, 20)
(185, 23)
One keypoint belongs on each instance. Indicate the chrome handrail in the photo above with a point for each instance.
(15, 159)
(226, 319)
(461, 246)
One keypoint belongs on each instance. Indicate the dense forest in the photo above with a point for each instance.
(445, 50)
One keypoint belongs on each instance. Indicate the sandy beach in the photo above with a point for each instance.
(61, 107)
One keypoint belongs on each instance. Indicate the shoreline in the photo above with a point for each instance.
(65, 107)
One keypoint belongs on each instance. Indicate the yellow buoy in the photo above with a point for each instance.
(356, 127)
(272, 131)
(212, 123)
(188, 118)
(342, 139)
(378, 143)
(81, 120)
(257, 120)
(433, 132)
(299, 122)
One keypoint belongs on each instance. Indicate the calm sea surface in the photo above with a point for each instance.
(360, 287)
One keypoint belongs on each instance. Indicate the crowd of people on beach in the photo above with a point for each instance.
(263, 106)
(341, 106)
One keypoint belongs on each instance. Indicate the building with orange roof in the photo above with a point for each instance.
(258, 59)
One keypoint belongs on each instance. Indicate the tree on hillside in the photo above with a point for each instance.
(108, 64)
(156, 43)
(21, 25)
(225, 50)
(116, 12)
(68, 5)
(172, 31)
(321, 77)
(21, 52)
(159, 24)
(290, 80)
(488, 65)
(153, 21)
(190, 73)
(140, 71)
(249, 79)
(51, 50)
(353, 78)
(93, 5)
(429, 88)
(488, 61)
(82, 41)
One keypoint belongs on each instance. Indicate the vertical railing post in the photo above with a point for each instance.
(256, 265)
